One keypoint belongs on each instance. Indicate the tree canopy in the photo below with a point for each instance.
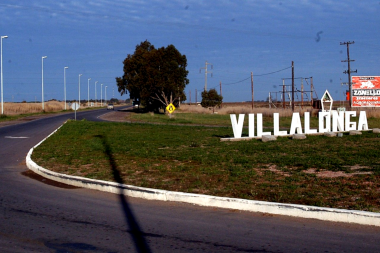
(114, 101)
(150, 71)
(211, 98)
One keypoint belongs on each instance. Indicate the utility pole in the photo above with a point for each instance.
(301, 93)
(292, 86)
(252, 88)
(88, 92)
(196, 96)
(269, 100)
(206, 72)
(349, 71)
(96, 102)
(311, 90)
(189, 96)
(283, 93)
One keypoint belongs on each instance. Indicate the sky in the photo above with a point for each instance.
(236, 38)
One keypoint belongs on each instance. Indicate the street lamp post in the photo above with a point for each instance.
(101, 94)
(43, 106)
(88, 92)
(64, 82)
(79, 88)
(2, 94)
(105, 95)
(96, 103)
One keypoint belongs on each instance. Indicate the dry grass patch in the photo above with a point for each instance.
(334, 174)
(27, 108)
(273, 168)
(240, 109)
(267, 112)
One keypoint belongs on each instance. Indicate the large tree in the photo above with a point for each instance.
(211, 98)
(151, 72)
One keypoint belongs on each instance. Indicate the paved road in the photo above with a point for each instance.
(37, 215)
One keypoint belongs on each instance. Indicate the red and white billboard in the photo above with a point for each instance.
(365, 91)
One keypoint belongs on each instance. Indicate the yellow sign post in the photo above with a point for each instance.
(170, 108)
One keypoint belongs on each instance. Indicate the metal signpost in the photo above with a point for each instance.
(75, 106)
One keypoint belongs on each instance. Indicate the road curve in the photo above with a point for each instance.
(37, 215)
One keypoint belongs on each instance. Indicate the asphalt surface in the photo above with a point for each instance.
(38, 215)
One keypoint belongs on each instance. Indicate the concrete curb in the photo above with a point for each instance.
(328, 134)
(302, 211)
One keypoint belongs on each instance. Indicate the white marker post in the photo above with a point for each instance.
(75, 106)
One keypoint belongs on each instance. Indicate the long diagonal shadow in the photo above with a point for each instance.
(134, 228)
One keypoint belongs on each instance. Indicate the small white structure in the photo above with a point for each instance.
(326, 100)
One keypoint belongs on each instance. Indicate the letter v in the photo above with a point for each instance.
(237, 126)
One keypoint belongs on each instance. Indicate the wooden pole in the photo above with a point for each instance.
(252, 88)
(301, 93)
(311, 90)
(292, 86)
(283, 93)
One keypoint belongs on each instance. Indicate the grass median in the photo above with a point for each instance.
(205, 119)
(330, 172)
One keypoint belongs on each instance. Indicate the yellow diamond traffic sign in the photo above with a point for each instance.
(170, 108)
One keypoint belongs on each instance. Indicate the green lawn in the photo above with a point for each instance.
(193, 159)
(205, 119)
(223, 120)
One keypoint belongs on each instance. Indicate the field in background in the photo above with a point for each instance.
(245, 108)
(238, 109)
(28, 108)
(11, 109)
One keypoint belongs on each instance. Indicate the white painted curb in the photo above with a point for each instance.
(302, 211)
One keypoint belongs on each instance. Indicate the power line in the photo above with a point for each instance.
(237, 81)
(274, 71)
(270, 73)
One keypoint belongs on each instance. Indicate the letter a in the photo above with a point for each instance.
(296, 124)
(363, 124)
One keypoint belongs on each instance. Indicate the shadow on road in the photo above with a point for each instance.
(134, 228)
